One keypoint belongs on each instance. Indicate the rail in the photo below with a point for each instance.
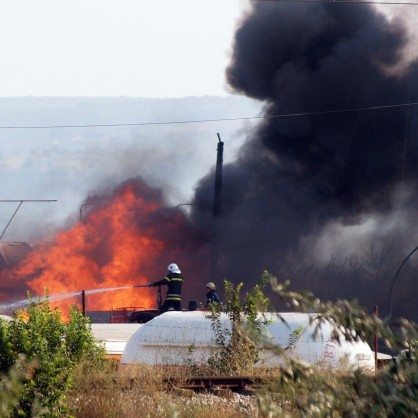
(208, 383)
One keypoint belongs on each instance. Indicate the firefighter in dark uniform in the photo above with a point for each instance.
(174, 281)
(211, 295)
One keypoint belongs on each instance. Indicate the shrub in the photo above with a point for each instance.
(12, 385)
(391, 392)
(238, 347)
(56, 346)
(303, 389)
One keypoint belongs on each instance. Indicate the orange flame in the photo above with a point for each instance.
(120, 243)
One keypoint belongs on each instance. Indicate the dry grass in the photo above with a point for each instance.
(131, 391)
(139, 391)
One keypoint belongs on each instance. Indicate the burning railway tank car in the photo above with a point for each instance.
(167, 339)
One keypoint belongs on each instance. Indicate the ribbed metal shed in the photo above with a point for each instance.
(181, 338)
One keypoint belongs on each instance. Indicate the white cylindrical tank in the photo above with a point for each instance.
(186, 338)
(173, 338)
(297, 335)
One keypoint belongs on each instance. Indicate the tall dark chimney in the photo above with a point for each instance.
(218, 178)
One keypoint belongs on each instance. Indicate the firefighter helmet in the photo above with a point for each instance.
(211, 285)
(173, 268)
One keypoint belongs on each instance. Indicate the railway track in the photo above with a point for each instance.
(238, 384)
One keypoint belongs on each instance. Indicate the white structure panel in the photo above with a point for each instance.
(181, 338)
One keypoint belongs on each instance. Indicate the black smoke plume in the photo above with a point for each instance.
(337, 160)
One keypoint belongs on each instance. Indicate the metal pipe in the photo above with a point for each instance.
(395, 278)
(376, 343)
(20, 204)
(159, 298)
(83, 302)
(10, 220)
(83, 205)
(218, 178)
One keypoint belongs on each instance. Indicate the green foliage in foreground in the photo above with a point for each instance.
(310, 390)
(390, 392)
(12, 385)
(238, 349)
(52, 348)
(37, 384)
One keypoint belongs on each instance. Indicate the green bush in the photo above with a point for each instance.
(391, 391)
(298, 388)
(40, 334)
(238, 347)
(12, 385)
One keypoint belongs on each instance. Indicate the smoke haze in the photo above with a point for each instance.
(298, 178)
(68, 164)
(325, 187)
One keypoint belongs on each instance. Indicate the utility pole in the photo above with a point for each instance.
(216, 211)
(218, 178)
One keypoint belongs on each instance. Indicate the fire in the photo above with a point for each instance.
(122, 242)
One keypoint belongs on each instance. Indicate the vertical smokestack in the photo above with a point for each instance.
(217, 208)
(218, 178)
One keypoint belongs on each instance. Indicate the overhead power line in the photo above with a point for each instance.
(183, 122)
(340, 1)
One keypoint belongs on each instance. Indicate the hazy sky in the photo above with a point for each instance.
(68, 164)
(89, 49)
(147, 48)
